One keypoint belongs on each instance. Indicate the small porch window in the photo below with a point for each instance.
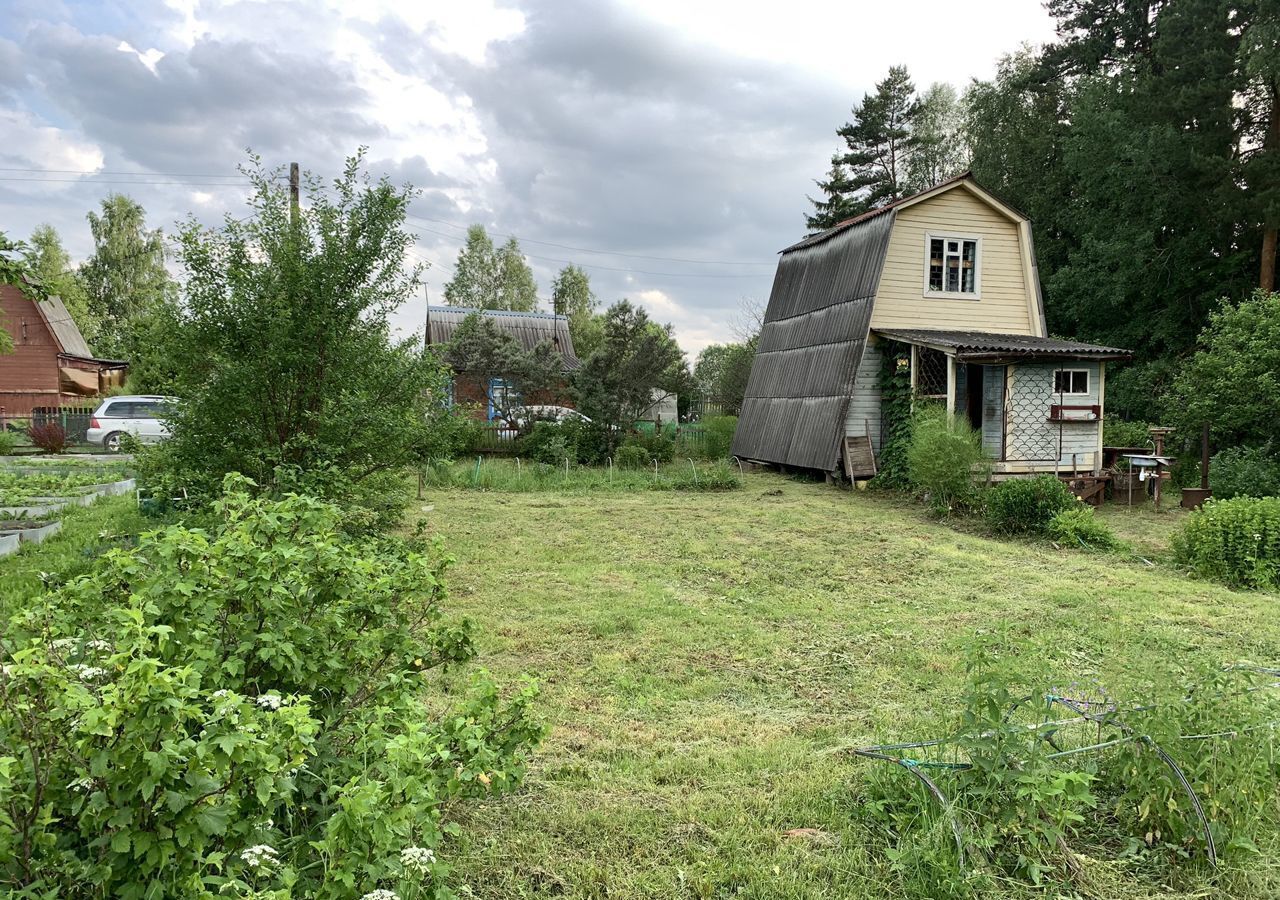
(1071, 381)
(952, 265)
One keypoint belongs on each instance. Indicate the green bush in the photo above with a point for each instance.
(590, 440)
(632, 456)
(8, 442)
(1236, 542)
(944, 461)
(1244, 472)
(1027, 505)
(251, 707)
(1119, 433)
(1078, 525)
(660, 445)
(550, 443)
(719, 436)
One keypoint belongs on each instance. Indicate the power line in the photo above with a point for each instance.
(105, 172)
(615, 268)
(111, 181)
(678, 259)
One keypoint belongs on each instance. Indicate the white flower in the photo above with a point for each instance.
(259, 856)
(417, 859)
(80, 784)
(270, 701)
(381, 894)
(63, 643)
(220, 693)
(87, 673)
(98, 645)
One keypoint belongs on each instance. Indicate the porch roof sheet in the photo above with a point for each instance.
(975, 345)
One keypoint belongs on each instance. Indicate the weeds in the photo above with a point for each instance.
(525, 476)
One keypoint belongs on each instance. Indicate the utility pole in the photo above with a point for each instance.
(293, 193)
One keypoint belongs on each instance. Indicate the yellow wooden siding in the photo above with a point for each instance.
(1006, 302)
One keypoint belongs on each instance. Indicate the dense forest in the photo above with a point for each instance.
(1144, 144)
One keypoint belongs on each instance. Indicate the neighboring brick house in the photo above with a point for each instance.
(51, 365)
(528, 328)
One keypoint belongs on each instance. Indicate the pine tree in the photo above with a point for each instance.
(873, 170)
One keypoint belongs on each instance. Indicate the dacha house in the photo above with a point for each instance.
(51, 367)
(940, 289)
(529, 329)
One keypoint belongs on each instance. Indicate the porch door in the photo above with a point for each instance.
(992, 427)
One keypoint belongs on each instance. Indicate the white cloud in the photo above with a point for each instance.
(32, 144)
(148, 58)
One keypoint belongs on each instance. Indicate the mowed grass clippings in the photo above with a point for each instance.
(705, 658)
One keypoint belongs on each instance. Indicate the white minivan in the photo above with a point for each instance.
(143, 416)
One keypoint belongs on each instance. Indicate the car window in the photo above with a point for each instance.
(118, 409)
(146, 409)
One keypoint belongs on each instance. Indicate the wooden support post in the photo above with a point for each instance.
(951, 387)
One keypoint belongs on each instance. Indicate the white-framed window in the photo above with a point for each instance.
(1071, 381)
(953, 266)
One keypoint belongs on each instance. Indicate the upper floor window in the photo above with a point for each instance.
(1071, 381)
(952, 266)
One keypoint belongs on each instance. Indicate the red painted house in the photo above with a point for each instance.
(51, 365)
(529, 330)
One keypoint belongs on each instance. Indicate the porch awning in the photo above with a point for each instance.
(985, 346)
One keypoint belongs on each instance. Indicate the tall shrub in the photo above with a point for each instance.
(245, 708)
(945, 461)
(1245, 472)
(290, 360)
(1236, 542)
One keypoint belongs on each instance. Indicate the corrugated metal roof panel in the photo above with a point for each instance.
(64, 328)
(983, 343)
(814, 331)
(528, 328)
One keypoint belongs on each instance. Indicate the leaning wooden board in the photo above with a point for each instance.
(859, 457)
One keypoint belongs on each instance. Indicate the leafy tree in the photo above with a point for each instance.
(15, 269)
(938, 150)
(126, 275)
(721, 372)
(487, 353)
(291, 369)
(873, 169)
(636, 357)
(486, 277)
(1233, 380)
(52, 265)
(517, 289)
(571, 296)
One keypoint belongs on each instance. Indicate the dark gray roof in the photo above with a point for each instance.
(65, 331)
(987, 345)
(528, 328)
(812, 339)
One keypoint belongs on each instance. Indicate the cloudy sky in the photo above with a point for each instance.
(665, 145)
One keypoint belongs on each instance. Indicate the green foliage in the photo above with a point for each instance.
(125, 278)
(945, 460)
(1119, 433)
(1079, 526)
(721, 372)
(489, 278)
(181, 716)
(1029, 781)
(895, 415)
(615, 385)
(549, 442)
(1027, 505)
(1236, 542)
(632, 456)
(51, 263)
(658, 444)
(719, 436)
(8, 441)
(1245, 472)
(289, 361)
(1233, 380)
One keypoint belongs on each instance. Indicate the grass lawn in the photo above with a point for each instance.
(704, 657)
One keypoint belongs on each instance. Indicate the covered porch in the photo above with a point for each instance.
(1037, 402)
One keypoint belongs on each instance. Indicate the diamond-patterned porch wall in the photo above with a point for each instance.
(1031, 437)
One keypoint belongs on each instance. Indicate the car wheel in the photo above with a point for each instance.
(111, 443)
